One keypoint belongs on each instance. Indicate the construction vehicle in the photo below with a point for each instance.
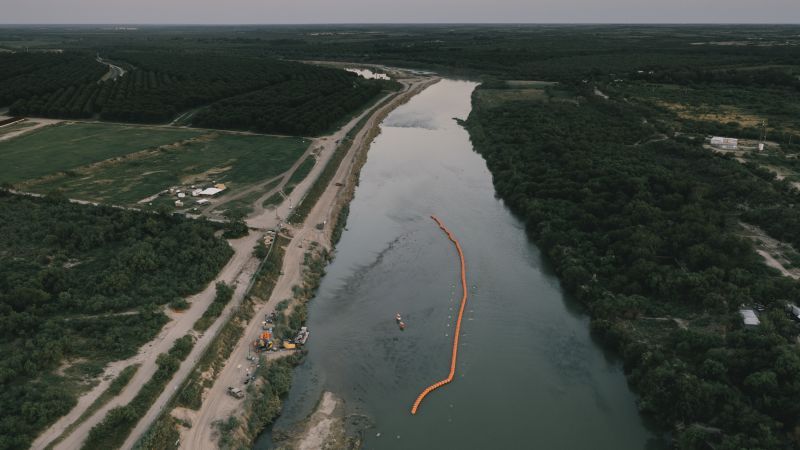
(235, 392)
(302, 336)
(264, 342)
(261, 345)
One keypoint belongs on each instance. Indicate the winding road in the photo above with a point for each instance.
(114, 71)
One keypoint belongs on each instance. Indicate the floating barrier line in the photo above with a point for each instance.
(452, 373)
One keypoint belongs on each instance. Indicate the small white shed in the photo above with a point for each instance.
(725, 143)
(749, 318)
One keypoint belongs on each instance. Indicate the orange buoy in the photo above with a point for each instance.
(454, 356)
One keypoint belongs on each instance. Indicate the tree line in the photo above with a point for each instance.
(275, 96)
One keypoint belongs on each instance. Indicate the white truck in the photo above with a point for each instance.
(235, 392)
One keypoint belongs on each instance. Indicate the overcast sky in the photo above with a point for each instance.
(402, 11)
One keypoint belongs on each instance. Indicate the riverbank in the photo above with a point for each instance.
(517, 328)
(608, 207)
(317, 256)
(324, 429)
(218, 406)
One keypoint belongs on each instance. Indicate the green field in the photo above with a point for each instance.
(234, 159)
(70, 145)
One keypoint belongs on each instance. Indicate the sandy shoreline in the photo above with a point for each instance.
(323, 429)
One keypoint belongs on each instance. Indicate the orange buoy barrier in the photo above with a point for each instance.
(452, 373)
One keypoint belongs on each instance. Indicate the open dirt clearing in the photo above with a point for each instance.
(324, 429)
(772, 250)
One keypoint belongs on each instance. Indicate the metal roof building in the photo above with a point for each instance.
(749, 318)
(725, 143)
(210, 192)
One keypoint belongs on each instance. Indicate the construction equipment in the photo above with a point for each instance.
(263, 344)
(302, 336)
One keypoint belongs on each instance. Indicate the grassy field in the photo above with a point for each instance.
(180, 157)
(522, 91)
(70, 145)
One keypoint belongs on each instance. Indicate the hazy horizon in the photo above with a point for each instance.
(354, 12)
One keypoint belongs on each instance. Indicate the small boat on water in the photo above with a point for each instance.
(402, 325)
(398, 318)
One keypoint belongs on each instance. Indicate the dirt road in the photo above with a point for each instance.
(218, 400)
(217, 404)
(114, 71)
(38, 123)
(238, 270)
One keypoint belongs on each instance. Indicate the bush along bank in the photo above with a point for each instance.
(262, 405)
(273, 380)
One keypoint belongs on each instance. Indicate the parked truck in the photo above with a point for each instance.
(235, 392)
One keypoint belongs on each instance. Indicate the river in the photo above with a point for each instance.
(529, 375)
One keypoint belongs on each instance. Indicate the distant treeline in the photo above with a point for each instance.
(85, 284)
(27, 75)
(303, 107)
(274, 96)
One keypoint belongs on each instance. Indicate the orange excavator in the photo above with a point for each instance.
(264, 342)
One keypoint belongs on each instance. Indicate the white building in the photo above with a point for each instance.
(210, 192)
(749, 318)
(725, 143)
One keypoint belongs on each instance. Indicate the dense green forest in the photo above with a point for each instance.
(262, 93)
(637, 231)
(84, 284)
(26, 75)
(296, 107)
